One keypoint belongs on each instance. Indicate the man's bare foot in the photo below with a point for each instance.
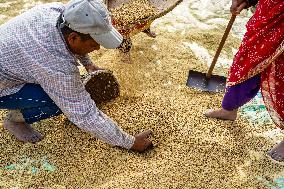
(277, 152)
(150, 33)
(22, 131)
(222, 114)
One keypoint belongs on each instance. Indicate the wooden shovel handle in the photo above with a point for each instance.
(227, 31)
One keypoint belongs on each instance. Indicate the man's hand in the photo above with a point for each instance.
(92, 68)
(237, 6)
(142, 141)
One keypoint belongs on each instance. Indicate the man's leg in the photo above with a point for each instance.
(16, 125)
(235, 97)
(29, 105)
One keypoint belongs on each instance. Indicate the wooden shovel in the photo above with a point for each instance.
(209, 82)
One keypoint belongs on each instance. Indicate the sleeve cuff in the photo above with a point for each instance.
(84, 60)
(128, 142)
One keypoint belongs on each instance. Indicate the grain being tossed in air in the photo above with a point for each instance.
(135, 10)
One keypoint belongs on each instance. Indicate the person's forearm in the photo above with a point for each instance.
(84, 60)
(67, 91)
(69, 94)
(103, 128)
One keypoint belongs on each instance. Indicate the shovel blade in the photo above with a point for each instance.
(199, 80)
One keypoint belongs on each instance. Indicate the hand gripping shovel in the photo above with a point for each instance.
(209, 82)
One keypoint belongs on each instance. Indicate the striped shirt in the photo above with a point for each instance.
(32, 50)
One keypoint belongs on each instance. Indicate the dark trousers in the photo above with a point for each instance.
(33, 102)
(237, 95)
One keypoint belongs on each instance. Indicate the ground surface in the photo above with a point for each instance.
(191, 151)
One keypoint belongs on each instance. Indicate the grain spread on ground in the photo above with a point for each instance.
(192, 151)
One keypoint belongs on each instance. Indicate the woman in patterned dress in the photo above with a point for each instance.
(259, 64)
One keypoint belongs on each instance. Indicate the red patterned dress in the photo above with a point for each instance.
(261, 53)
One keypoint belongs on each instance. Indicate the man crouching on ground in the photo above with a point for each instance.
(39, 77)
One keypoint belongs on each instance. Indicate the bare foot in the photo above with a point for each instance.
(222, 114)
(150, 33)
(277, 152)
(22, 131)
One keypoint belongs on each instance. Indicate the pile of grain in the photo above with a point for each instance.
(132, 12)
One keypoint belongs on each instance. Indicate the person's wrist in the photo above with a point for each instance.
(129, 142)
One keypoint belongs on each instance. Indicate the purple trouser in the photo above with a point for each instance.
(239, 94)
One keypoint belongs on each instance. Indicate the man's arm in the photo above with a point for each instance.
(88, 64)
(84, 60)
(69, 94)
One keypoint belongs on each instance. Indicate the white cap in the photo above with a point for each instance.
(92, 17)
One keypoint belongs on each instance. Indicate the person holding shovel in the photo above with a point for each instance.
(39, 77)
(258, 64)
